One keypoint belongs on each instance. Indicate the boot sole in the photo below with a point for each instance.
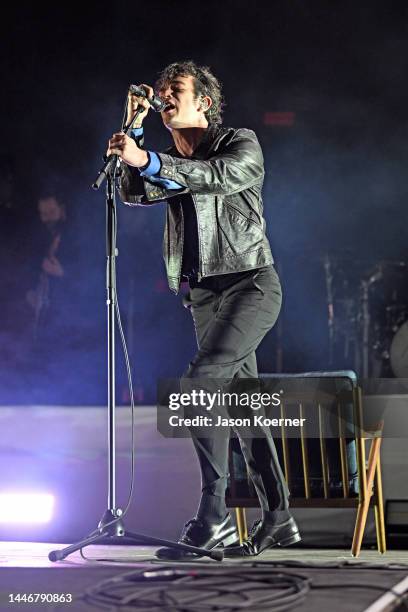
(288, 541)
(295, 537)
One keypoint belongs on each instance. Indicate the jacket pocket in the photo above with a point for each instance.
(248, 217)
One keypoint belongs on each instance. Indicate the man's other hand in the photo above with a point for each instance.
(127, 149)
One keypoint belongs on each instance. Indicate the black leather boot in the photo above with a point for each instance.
(204, 534)
(264, 535)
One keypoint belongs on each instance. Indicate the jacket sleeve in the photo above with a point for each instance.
(133, 188)
(238, 166)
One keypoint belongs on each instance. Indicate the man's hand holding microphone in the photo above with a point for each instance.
(123, 145)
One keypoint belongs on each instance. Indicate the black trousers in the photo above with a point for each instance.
(232, 313)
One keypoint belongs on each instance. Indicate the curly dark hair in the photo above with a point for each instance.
(205, 84)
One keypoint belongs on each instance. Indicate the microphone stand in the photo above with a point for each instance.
(111, 525)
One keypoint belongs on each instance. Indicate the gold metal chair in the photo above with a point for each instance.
(327, 397)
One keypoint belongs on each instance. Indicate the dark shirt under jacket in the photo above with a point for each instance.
(190, 248)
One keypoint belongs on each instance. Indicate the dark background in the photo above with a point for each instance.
(335, 173)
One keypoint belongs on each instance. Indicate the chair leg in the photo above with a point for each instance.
(241, 524)
(379, 510)
(362, 482)
(364, 504)
(359, 527)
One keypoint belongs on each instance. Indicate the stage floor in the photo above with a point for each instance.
(34, 554)
(25, 569)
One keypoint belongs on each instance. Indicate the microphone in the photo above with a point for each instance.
(155, 102)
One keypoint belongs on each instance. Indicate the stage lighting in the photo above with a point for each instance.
(26, 507)
(286, 118)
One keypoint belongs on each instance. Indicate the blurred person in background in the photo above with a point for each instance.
(52, 304)
(45, 296)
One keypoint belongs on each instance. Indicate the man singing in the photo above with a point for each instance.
(215, 238)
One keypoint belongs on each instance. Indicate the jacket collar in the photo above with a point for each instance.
(204, 145)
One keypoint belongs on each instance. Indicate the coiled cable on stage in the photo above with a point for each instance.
(261, 585)
(235, 588)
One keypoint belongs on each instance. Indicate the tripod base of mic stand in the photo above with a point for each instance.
(112, 524)
(116, 530)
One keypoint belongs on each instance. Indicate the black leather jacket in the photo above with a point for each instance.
(224, 178)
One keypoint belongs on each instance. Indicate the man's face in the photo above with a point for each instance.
(184, 109)
(50, 210)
